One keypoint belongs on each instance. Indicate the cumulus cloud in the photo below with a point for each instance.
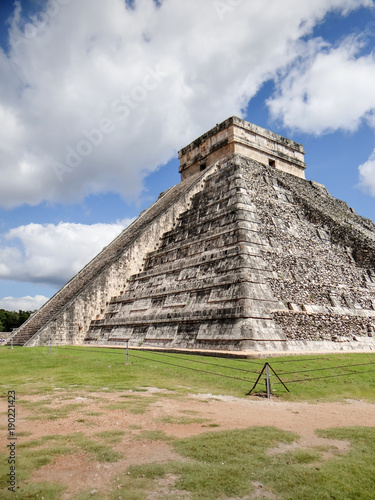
(52, 254)
(95, 95)
(330, 88)
(23, 303)
(367, 175)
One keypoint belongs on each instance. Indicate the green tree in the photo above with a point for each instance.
(2, 320)
(12, 319)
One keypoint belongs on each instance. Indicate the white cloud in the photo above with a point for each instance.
(23, 303)
(330, 88)
(148, 80)
(52, 254)
(367, 175)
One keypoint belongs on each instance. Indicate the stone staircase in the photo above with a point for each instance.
(204, 282)
(104, 259)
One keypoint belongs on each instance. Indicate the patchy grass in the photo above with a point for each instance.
(218, 465)
(72, 444)
(32, 491)
(190, 412)
(230, 464)
(111, 437)
(154, 436)
(135, 427)
(54, 413)
(215, 465)
(169, 419)
(34, 454)
(134, 405)
(24, 434)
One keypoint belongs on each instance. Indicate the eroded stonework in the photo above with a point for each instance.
(236, 136)
(238, 256)
(262, 260)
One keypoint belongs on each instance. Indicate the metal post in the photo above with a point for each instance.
(266, 368)
(256, 383)
(268, 382)
(127, 352)
(50, 345)
(11, 343)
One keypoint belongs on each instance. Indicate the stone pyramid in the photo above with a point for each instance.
(244, 254)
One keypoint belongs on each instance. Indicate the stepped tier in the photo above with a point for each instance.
(240, 256)
(206, 284)
(257, 262)
(67, 315)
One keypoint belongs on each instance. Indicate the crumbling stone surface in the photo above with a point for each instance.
(322, 255)
(240, 256)
(252, 264)
(66, 317)
(317, 327)
(205, 286)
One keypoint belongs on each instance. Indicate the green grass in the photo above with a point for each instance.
(229, 464)
(153, 436)
(35, 371)
(133, 404)
(34, 454)
(170, 419)
(217, 465)
(32, 491)
(340, 384)
(70, 443)
(111, 437)
(53, 413)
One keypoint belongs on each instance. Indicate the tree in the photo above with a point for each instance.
(12, 319)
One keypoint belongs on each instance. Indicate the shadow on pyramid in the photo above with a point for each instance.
(243, 255)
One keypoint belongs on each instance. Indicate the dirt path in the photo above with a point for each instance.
(176, 416)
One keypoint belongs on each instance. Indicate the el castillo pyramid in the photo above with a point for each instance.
(244, 254)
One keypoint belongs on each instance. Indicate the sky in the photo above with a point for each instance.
(98, 96)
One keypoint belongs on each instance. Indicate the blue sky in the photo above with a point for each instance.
(98, 97)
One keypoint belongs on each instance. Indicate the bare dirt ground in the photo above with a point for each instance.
(177, 416)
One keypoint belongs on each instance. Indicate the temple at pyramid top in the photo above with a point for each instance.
(238, 136)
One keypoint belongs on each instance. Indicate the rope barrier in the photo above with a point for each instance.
(156, 353)
(329, 368)
(328, 376)
(275, 361)
(165, 363)
(203, 362)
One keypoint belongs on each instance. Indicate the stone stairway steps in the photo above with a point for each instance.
(47, 312)
(207, 270)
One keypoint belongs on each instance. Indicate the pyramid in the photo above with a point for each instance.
(244, 254)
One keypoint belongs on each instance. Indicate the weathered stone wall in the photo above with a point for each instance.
(329, 326)
(258, 263)
(236, 136)
(67, 316)
(322, 255)
(205, 286)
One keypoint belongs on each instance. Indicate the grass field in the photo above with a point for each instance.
(36, 370)
(215, 464)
